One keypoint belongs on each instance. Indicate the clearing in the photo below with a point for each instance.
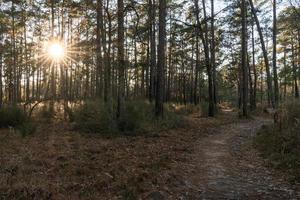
(210, 159)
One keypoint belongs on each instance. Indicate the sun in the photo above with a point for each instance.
(56, 51)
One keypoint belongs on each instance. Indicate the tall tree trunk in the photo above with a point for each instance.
(152, 12)
(204, 38)
(285, 77)
(276, 88)
(1, 66)
(265, 54)
(121, 61)
(253, 102)
(107, 86)
(197, 67)
(161, 58)
(244, 60)
(213, 53)
(53, 93)
(296, 90)
(251, 84)
(13, 72)
(99, 66)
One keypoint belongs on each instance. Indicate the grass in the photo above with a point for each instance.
(60, 163)
(282, 146)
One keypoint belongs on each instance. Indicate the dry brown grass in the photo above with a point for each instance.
(57, 163)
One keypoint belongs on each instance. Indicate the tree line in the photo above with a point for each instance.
(164, 51)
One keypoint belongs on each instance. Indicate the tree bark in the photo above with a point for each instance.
(265, 54)
(99, 63)
(276, 88)
(152, 12)
(244, 60)
(121, 61)
(204, 38)
(253, 102)
(161, 58)
(213, 53)
(296, 90)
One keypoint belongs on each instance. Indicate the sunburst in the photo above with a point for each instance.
(57, 53)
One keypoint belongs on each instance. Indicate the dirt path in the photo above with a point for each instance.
(228, 168)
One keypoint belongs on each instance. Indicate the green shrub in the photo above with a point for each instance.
(204, 108)
(282, 147)
(138, 117)
(171, 120)
(293, 112)
(11, 116)
(26, 128)
(94, 117)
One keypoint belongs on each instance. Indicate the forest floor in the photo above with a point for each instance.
(211, 158)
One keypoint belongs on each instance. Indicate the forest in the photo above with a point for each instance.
(133, 99)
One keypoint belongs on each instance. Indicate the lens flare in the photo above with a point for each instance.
(56, 51)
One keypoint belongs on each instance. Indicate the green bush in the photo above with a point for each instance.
(204, 108)
(282, 147)
(11, 116)
(26, 128)
(170, 120)
(138, 117)
(94, 117)
(293, 112)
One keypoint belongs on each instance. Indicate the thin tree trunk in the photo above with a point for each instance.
(276, 88)
(152, 12)
(121, 61)
(204, 38)
(296, 90)
(161, 58)
(213, 53)
(197, 67)
(99, 66)
(244, 60)
(265, 54)
(253, 103)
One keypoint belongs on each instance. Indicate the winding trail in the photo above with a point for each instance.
(227, 167)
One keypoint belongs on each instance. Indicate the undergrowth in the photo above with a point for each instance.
(138, 117)
(282, 146)
(15, 117)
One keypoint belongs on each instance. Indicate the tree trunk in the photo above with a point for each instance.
(99, 66)
(296, 90)
(244, 60)
(253, 102)
(276, 88)
(197, 67)
(152, 12)
(121, 61)
(265, 54)
(213, 59)
(161, 58)
(204, 38)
